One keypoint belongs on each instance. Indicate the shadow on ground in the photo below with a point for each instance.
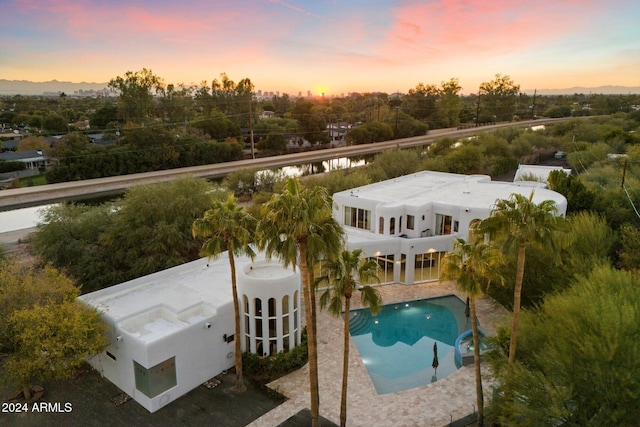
(92, 401)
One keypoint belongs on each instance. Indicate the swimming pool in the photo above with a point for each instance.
(396, 346)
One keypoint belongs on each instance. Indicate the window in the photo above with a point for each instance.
(443, 224)
(456, 225)
(247, 324)
(258, 317)
(359, 218)
(410, 222)
(295, 318)
(157, 379)
(272, 318)
(392, 226)
(381, 225)
(285, 316)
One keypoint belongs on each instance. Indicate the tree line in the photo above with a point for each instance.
(152, 125)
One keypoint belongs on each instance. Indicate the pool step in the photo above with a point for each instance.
(359, 323)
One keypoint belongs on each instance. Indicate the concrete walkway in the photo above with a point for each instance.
(431, 405)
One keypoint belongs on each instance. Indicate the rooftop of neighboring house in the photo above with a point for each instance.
(537, 172)
(23, 156)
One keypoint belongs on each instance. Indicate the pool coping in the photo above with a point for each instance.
(434, 404)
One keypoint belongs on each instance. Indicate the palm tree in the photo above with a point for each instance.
(298, 228)
(341, 278)
(228, 228)
(522, 223)
(472, 265)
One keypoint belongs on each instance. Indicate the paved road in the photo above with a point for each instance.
(91, 188)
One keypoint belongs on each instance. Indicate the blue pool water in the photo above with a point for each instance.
(396, 346)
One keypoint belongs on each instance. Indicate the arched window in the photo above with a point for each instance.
(258, 314)
(381, 225)
(392, 226)
(285, 318)
(295, 317)
(247, 323)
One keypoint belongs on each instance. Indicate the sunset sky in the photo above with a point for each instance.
(325, 46)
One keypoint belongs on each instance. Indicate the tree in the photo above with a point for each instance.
(176, 103)
(421, 102)
(32, 143)
(393, 163)
(498, 97)
(68, 237)
(228, 228)
(450, 104)
(54, 122)
(152, 228)
(521, 223)
(217, 125)
(579, 198)
(52, 341)
(297, 226)
(104, 115)
(136, 101)
(578, 359)
(312, 124)
(148, 230)
(22, 288)
(630, 247)
(343, 275)
(46, 332)
(472, 265)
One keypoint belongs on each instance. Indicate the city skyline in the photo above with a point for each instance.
(326, 47)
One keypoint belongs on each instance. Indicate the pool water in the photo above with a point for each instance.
(396, 346)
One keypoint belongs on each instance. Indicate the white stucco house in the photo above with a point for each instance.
(537, 173)
(173, 330)
(405, 224)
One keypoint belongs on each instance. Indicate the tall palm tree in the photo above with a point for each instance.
(471, 265)
(298, 228)
(341, 276)
(521, 223)
(228, 228)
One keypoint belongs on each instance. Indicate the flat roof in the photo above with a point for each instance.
(538, 172)
(474, 191)
(178, 289)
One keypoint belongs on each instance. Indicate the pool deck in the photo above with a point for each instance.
(431, 405)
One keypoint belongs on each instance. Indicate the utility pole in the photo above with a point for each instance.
(253, 153)
(533, 107)
(397, 109)
(624, 172)
(478, 110)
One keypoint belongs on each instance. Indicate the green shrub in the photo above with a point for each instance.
(267, 369)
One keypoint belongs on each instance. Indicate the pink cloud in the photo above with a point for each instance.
(106, 22)
(449, 28)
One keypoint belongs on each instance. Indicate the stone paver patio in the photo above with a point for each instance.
(431, 405)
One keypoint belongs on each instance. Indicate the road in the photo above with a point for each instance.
(91, 188)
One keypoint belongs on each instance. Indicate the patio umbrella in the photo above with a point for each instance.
(435, 362)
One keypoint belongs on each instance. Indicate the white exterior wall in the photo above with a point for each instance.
(265, 280)
(200, 354)
(184, 313)
(424, 195)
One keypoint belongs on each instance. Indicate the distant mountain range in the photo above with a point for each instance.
(24, 87)
(602, 90)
